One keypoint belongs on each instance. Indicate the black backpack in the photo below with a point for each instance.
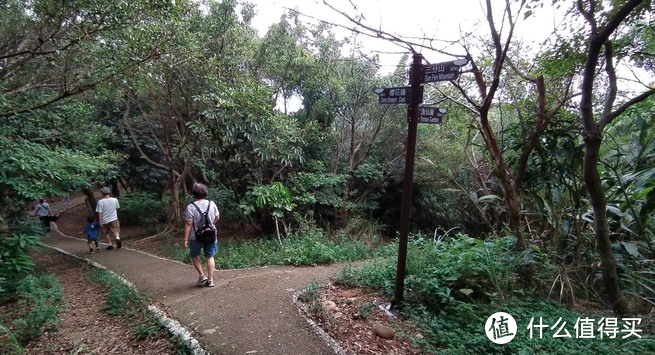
(205, 232)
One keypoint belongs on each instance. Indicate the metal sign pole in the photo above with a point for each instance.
(412, 120)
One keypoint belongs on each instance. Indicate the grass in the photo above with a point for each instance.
(124, 301)
(310, 248)
(9, 345)
(40, 299)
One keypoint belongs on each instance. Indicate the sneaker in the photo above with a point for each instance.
(110, 247)
(210, 283)
(119, 244)
(202, 280)
(93, 252)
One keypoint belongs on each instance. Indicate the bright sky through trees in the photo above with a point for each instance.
(414, 19)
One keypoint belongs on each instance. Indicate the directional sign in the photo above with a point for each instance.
(431, 114)
(445, 71)
(389, 96)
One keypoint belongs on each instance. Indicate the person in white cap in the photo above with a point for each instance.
(107, 211)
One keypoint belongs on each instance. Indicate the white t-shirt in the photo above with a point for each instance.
(192, 214)
(107, 207)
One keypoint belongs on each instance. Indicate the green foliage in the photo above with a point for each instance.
(121, 298)
(317, 189)
(227, 204)
(445, 272)
(176, 252)
(15, 260)
(275, 197)
(365, 309)
(461, 331)
(148, 328)
(628, 177)
(143, 208)
(310, 293)
(305, 247)
(39, 299)
(453, 285)
(58, 50)
(8, 342)
(124, 301)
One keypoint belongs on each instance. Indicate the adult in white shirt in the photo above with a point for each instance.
(107, 214)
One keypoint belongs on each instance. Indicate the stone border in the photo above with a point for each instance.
(302, 309)
(172, 326)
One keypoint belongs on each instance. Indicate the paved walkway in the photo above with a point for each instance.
(250, 311)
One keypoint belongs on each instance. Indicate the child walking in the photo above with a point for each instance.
(92, 230)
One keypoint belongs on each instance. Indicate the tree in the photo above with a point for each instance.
(604, 21)
(275, 199)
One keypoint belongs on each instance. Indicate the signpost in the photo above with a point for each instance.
(431, 114)
(413, 96)
(391, 96)
(445, 71)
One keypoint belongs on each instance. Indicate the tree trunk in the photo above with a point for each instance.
(599, 204)
(511, 192)
(91, 201)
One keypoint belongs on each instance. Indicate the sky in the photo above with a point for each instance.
(441, 19)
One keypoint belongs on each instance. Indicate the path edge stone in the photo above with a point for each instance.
(302, 309)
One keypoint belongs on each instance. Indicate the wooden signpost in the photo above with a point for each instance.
(413, 96)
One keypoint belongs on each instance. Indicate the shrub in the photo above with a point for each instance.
(121, 298)
(439, 273)
(143, 208)
(40, 298)
(15, 260)
(459, 331)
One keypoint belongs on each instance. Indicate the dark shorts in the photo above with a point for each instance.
(209, 249)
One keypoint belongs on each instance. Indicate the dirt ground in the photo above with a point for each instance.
(349, 316)
(85, 329)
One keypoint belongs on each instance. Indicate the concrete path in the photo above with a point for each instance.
(250, 311)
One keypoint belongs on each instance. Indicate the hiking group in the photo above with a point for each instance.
(201, 218)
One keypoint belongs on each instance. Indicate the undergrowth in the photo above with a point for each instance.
(308, 247)
(124, 301)
(452, 287)
(39, 300)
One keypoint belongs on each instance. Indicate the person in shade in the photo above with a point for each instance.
(91, 230)
(107, 214)
(193, 217)
(43, 211)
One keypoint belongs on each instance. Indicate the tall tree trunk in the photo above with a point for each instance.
(599, 205)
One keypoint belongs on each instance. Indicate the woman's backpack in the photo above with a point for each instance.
(205, 232)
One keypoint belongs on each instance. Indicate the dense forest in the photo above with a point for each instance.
(550, 145)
